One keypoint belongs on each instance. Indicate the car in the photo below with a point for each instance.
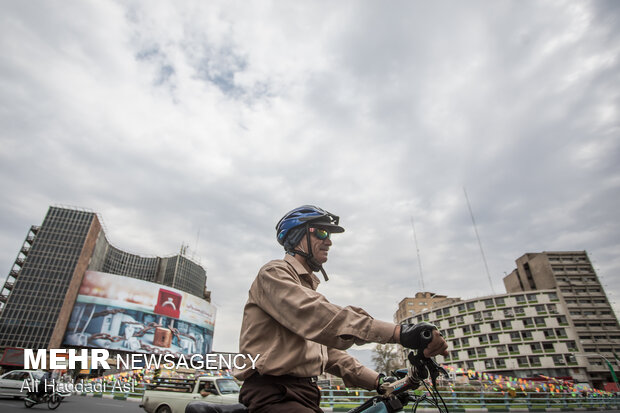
(172, 395)
(12, 383)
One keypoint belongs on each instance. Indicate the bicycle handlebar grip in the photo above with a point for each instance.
(416, 336)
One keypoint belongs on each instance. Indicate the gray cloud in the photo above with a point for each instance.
(207, 122)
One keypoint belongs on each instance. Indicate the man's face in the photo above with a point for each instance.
(320, 247)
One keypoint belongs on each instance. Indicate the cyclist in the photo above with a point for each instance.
(45, 384)
(298, 334)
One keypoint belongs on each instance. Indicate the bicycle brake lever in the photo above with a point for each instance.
(418, 365)
(435, 370)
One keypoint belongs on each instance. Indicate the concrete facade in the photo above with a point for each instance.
(595, 324)
(555, 320)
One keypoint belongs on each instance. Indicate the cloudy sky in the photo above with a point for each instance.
(202, 124)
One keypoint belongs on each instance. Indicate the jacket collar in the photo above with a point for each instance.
(302, 271)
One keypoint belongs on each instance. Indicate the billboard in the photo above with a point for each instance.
(123, 313)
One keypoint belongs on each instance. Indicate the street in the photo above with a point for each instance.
(74, 404)
(80, 404)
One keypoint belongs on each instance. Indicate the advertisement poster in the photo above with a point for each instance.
(123, 313)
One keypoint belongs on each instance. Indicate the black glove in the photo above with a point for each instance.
(384, 379)
(416, 336)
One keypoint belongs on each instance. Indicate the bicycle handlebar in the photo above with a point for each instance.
(420, 369)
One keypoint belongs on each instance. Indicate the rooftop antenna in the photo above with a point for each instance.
(196, 246)
(417, 250)
(473, 221)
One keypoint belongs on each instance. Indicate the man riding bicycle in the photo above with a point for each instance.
(298, 333)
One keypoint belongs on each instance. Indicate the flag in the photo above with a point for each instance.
(611, 369)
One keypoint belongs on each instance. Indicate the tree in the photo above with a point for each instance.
(386, 358)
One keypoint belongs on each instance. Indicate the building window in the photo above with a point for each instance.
(558, 360)
(527, 335)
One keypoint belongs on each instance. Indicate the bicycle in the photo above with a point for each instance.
(52, 399)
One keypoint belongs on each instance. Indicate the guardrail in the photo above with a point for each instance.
(491, 401)
(338, 398)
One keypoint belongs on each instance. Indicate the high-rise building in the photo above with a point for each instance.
(40, 293)
(555, 320)
(571, 273)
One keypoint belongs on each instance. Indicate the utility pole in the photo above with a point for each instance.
(479, 242)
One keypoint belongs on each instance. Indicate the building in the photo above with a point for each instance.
(572, 275)
(554, 320)
(519, 335)
(424, 301)
(43, 289)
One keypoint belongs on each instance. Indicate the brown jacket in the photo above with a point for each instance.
(298, 332)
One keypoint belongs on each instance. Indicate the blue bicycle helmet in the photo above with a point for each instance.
(307, 214)
(297, 222)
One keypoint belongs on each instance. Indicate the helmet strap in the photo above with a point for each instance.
(310, 260)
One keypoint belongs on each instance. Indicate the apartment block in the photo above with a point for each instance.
(572, 275)
(555, 320)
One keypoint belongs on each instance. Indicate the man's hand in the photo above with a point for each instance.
(383, 379)
(423, 337)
